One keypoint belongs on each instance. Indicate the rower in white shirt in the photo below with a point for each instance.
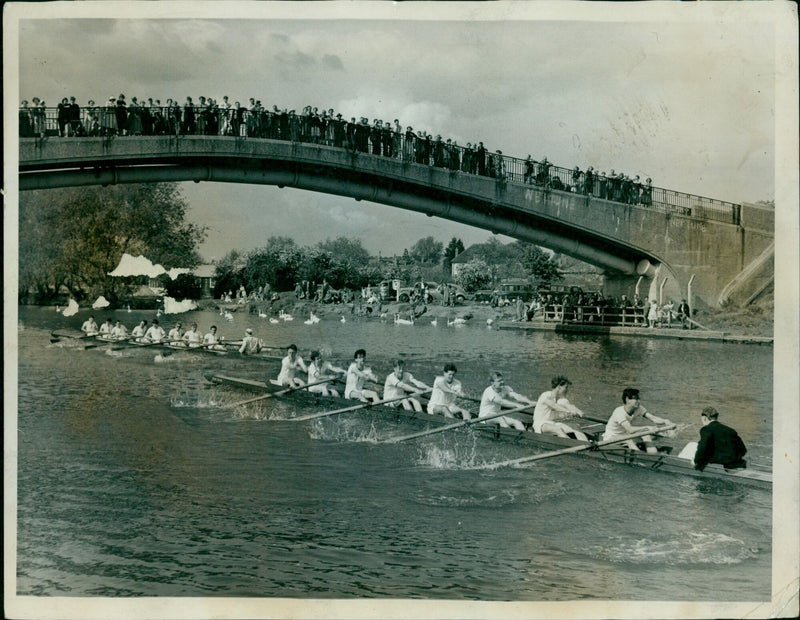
(553, 406)
(499, 395)
(89, 327)
(357, 375)
(119, 331)
(401, 383)
(192, 337)
(176, 333)
(446, 388)
(318, 370)
(211, 340)
(155, 333)
(105, 330)
(289, 367)
(250, 344)
(138, 332)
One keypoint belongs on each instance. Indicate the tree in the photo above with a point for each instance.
(229, 274)
(453, 249)
(185, 286)
(474, 275)
(538, 264)
(427, 250)
(79, 235)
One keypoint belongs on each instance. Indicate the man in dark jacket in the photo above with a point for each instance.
(718, 443)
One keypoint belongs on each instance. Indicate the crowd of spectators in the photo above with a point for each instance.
(139, 117)
(595, 308)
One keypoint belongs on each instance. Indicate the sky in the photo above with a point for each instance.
(689, 103)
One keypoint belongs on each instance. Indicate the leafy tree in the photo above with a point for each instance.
(474, 275)
(538, 264)
(229, 274)
(453, 249)
(185, 286)
(79, 235)
(345, 250)
(427, 250)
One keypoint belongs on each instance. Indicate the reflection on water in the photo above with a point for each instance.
(134, 480)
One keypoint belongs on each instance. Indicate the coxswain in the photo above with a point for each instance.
(620, 422)
(446, 388)
(289, 367)
(357, 375)
(718, 443)
(89, 327)
(553, 406)
(155, 333)
(250, 344)
(318, 370)
(498, 395)
(400, 383)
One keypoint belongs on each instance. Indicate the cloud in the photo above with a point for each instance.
(332, 61)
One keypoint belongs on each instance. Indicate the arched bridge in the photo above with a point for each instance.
(625, 240)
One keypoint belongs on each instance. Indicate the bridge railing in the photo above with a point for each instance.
(103, 121)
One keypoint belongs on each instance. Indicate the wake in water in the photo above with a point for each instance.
(344, 429)
(707, 547)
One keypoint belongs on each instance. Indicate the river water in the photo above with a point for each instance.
(134, 482)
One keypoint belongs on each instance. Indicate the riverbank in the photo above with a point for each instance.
(754, 323)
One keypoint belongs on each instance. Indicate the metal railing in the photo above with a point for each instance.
(605, 316)
(361, 137)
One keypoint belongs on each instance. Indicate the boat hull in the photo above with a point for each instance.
(661, 462)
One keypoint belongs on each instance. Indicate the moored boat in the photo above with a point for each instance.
(663, 461)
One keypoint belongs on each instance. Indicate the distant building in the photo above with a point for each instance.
(457, 264)
(205, 273)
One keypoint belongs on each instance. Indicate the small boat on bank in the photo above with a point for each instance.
(663, 461)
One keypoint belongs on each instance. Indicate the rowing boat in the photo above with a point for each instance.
(663, 461)
(221, 349)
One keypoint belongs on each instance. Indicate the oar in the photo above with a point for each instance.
(324, 414)
(55, 336)
(143, 345)
(573, 449)
(271, 394)
(448, 427)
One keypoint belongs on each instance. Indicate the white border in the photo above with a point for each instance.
(786, 491)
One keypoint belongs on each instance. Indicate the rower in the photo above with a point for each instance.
(138, 332)
(105, 329)
(250, 344)
(498, 395)
(155, 333)
(176, 333)
(357, 374)
(89, 327)
(211, 340)
(192, 337)
(399, 383)
(317, 371)
(553, 406)
(289, 367)
(443, 397)
(119, 331)
(619, 423)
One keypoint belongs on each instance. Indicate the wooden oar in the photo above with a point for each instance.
(55, 336)
(271, 394)
(573, 449)
(362, 405)
(142, 345)
(448, 427)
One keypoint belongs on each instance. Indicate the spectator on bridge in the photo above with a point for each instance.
(25, 120)
(499, 166)
(62, 118)
(74, 116)
(121, 113)
(646, 197)
(602, 184)
(543, 174)
(480, 156)
(397, 139)
(588, 183)
(134, 118)
(527, 177)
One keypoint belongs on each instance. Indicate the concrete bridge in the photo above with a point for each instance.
(727, 259)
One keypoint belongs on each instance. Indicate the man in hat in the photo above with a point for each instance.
(718, 443)
(250, 344)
